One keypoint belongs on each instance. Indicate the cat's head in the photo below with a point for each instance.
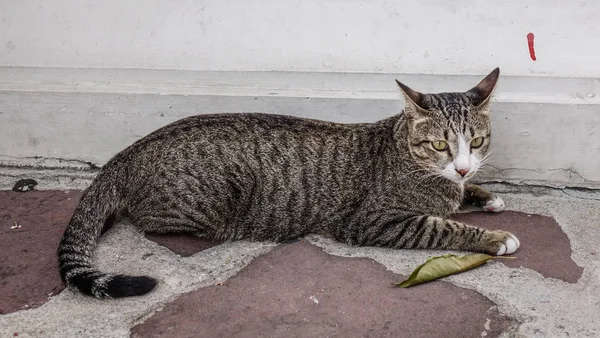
(449, 133)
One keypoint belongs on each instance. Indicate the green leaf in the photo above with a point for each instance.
(442, 266)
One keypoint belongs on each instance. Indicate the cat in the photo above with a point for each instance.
(265, 177)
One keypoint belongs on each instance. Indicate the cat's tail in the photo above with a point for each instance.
(98, 205)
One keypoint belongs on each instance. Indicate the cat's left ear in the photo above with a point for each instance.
(481, 94)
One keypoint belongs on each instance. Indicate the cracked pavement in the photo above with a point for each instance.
(314, 287)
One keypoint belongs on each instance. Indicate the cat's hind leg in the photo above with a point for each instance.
(159, 211)
(478, 196)
(187, 205)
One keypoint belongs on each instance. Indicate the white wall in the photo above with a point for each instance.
(68, 94)
(421, 37)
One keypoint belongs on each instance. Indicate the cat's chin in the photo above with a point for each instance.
(458, 180)
(455, 178)
(461, 181)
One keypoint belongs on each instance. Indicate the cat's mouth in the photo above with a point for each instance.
(457, 177)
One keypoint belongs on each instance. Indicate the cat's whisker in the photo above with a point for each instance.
(485, 166)
(417, 170)
(485, 161)
(480, 171)
(487, 157)
(426, 176)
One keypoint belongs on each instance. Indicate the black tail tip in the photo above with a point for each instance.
(129, 286)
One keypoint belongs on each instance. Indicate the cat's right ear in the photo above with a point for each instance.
(414, 97)
(414, 100)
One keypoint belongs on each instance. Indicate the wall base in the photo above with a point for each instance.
(60, 124)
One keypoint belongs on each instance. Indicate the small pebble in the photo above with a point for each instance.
(25, 185)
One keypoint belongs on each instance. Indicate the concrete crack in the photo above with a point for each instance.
(47, 163)
(565, 191)
(515, 188)
(541, 171)
(552, 177)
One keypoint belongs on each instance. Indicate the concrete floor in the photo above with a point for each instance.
(314, 287)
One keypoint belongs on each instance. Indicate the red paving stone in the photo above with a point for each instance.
(299, 290)
(544, 248)
(28, 263)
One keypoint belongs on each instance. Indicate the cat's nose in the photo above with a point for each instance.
(462, 172)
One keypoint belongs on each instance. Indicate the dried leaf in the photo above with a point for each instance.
(442, 266)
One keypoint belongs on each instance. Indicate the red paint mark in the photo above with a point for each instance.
(530, 44)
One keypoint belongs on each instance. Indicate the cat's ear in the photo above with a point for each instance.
(410, 95)
(481, 94)
(414, 101)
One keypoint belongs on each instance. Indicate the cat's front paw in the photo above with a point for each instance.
(500, 243)
(496, 204)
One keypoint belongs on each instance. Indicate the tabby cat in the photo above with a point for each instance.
(266, 177)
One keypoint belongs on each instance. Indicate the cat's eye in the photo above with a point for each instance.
(439, 145)
(476, 142)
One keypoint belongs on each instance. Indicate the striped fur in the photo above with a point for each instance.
(274, 178)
